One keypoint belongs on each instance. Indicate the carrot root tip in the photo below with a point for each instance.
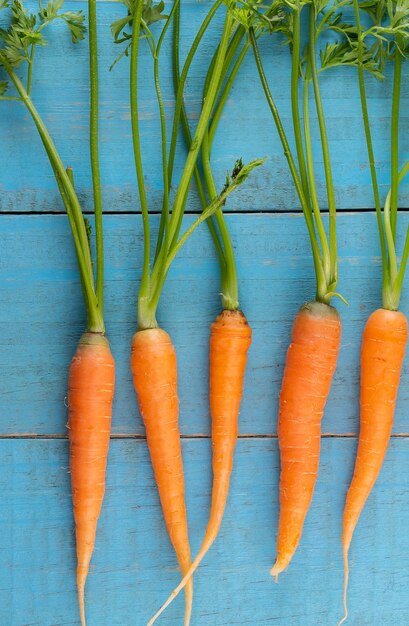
(81, 604)
(275, 571)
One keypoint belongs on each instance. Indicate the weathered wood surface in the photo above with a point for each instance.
(134, 567)
(41, 312)
(42, 317)
(63, 101)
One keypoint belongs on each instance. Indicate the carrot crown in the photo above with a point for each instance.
(25, 33)
(133, 30)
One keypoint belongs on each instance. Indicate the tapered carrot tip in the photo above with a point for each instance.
(277, 568)
(345, 552)
(189, 602)
(81, 578)
(282, 561)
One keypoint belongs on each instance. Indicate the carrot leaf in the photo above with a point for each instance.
(73, 20)
(25, 30)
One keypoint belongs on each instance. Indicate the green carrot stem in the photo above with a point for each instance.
(165, 204)
(30, 69)
(232, 48)
(311, 180)
(180, 110)
(225, 94)
(95, 321)
(68, 209)
(226, 253)
(319, 272)
(393, 264)
(94, 141)
(188, 138)
(210, 210)
(184, 73)
(397, 79)
(71, 203)
(325, 150)
(165, 170)
(136, 26)
(392, 292)
(159, 269)
(369, 144)
(295, 75)
(397, 288)
(178, 206)
(230, 289)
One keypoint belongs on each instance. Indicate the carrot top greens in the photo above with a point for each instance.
(19, 42)
(134, 30)
(388, 34)
(285, 17)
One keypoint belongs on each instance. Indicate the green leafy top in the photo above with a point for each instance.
(279, 17)
(390, 26)
(257, 15)
(26, 31)
(122, 29)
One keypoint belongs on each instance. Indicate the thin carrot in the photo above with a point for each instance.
(386, 332)
(383, 350)
(230, 340)
(310, 365)
(154, 371)
(312, 355)
(92, 371)
(90, 393)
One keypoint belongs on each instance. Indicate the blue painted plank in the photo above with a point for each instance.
(134, 567)
(41, 316)
(248, 129)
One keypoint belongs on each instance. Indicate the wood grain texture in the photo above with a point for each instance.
(42, 317)
(247, 123)
(134, 567)
(41, 314)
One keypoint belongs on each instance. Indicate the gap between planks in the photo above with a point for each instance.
(192, 436)
(198, 212)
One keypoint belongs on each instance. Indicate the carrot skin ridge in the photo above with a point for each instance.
(310, 365)
(154, 371)
(90, 393)
(383, 349)
(230, 340)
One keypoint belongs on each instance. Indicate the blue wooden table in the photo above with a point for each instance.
(42, 317)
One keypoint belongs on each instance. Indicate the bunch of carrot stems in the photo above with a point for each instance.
(369, 44)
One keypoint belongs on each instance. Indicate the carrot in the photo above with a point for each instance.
(229, 342)
(312, 355)
(310, 365)
(92, 371)
(154, 371)
(386, 332)
(90, 394)
(383, 350)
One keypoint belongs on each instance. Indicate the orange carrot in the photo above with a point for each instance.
(230, 340)
(310, 365)
(154, 370)
(90, 394)
(383, 349)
